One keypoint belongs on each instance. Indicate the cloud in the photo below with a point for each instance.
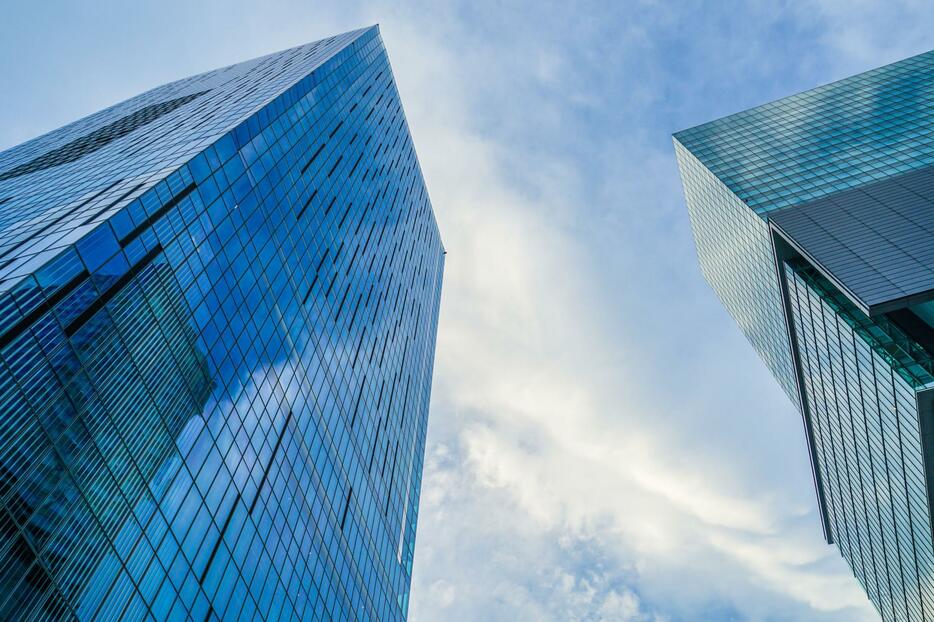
(860, 33)
(602, 445)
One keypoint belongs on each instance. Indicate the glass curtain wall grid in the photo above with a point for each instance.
(810, 218)
(218, 309)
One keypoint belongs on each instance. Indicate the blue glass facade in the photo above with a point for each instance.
(837, 136)
(866, 424)
(218, 308)
(810, 220)
(735, 254)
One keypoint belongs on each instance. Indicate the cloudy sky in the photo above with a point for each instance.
(603, 444)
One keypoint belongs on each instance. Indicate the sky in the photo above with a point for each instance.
(603, 444)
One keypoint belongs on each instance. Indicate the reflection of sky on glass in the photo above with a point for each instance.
(837, 136)
(251, 387)
(604, 444)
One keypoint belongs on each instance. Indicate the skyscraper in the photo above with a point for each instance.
(813, 218)
(218, 308)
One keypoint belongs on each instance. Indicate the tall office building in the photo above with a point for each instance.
(218, 308)
(813, 218)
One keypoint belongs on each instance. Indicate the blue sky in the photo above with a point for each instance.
(603, 444)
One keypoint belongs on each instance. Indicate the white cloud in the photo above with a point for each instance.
(865, 34)
(562, 481)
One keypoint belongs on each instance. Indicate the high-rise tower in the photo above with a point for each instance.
(218, 308)
(814, 223)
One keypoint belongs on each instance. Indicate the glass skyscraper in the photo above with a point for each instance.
(218, 308)
(813, 218)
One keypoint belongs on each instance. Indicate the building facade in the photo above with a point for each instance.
(218, 309)
(813, 218)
